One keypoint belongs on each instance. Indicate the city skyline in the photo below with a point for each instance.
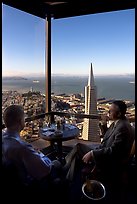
(107, 40)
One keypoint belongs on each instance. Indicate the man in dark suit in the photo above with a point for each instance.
(110, 156)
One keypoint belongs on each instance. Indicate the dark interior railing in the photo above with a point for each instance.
(62, 114)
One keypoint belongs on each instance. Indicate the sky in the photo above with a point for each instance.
(107, 40)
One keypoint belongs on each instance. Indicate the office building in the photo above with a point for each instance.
(91, 126)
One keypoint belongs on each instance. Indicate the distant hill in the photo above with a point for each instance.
(126, 75)
(14, 78)
(96, 75)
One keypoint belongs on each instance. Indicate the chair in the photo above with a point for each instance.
(131, 159)
(11, 177)
(129, 171)
(132, 152)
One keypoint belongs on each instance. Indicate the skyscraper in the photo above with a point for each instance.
(91, 126)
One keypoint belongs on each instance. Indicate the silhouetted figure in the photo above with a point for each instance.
(35, 170)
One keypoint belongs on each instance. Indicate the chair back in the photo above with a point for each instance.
(132, 152)
(10, 176)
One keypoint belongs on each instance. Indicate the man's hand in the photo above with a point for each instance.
(88, 157)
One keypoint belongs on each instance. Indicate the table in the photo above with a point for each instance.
(56, 137)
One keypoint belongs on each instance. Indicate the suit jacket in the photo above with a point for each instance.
(115, 147)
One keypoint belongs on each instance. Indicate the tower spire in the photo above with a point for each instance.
(91, 77)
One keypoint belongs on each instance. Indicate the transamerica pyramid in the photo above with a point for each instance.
(91, 126)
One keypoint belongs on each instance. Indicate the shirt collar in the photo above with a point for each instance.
(116, 122)
(12, 134)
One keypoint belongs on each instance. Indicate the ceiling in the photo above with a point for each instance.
(57, 10)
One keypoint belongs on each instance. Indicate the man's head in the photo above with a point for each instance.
(14, 117)
(117, 110)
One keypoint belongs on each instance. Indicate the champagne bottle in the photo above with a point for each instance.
(88, 185)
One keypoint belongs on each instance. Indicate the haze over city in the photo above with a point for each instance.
(107, 40)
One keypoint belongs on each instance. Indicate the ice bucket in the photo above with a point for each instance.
(93, 190)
